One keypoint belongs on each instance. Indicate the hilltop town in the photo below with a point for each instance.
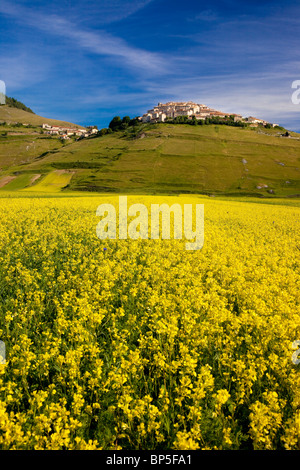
(172, 109)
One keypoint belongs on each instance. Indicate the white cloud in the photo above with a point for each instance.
(99, 42)
(96, 12)
(110, 11)
(103, 43)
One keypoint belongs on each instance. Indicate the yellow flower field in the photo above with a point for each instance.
(141, 344)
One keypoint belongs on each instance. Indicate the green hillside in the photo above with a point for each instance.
(12, 102)
(155, 158)
(12, 115)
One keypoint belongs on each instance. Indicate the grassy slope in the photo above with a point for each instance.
(168, 159)
(12, 115)
(20, 145)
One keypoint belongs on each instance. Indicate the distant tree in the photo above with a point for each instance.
(115, 123)
(124, 123)
(181, 120)
(13, 103)
(103, 131)
(134, 122)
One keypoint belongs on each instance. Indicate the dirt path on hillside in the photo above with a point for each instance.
(5, 180)
(34, 178)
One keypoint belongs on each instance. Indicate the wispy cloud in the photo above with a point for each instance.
(105, 44)
(111, 10)
(207, 15)
(97, 12)
(96, 42)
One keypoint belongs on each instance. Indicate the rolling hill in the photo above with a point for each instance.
(154, 159)
(13, 115)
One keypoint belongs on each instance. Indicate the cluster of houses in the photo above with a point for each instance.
(174, 109)
(159, 113)
(66, 133)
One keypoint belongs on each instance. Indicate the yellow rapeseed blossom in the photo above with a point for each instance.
(142, 344)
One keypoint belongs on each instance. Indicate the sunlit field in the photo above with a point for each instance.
(141, 344)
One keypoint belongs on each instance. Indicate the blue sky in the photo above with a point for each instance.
(86, 62)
